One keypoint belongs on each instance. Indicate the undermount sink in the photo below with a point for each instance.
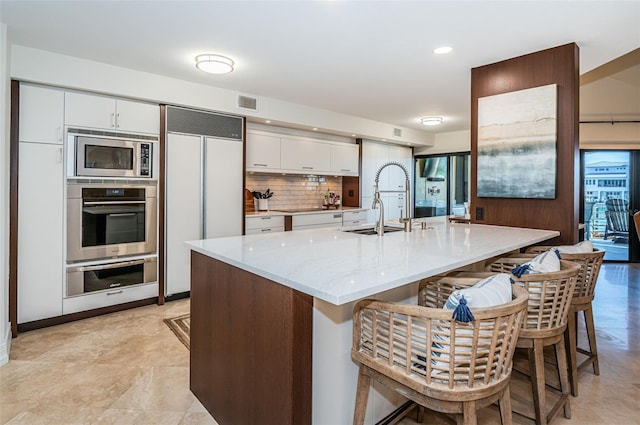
(372, 231)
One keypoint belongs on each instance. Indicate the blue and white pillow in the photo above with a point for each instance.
(491, 291)
(548, 261)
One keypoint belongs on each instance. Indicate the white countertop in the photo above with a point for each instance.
(340, 267)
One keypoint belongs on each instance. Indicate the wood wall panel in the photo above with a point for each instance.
(560, 66)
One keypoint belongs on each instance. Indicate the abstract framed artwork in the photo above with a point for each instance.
(517, 134)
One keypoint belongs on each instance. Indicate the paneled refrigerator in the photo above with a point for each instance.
(204, 186)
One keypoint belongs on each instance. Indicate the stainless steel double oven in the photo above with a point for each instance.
(111, 222)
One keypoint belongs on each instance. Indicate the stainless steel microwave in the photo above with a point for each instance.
(103, 157)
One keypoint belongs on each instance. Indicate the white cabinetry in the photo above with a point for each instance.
(316, 220)
(263, 152)
(354, 218)
(204, 198)
(276, 153)
(264, 224)
(304, 155)
(108, 113)
(40, 231)
(374, 156)
(41, 114)
(344, 159)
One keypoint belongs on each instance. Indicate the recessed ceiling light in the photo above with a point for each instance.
(431, 120)
(353, 135)
(268, 121)
(214, 64)
(443, 50)
(315, 128)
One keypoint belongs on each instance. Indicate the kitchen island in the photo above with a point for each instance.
(271, 315)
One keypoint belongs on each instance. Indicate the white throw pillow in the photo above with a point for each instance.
(579, 248)
(489, 292)
(548, 261)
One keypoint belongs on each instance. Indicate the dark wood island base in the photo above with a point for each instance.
(251, 346)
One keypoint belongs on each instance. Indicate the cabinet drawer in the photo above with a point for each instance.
(264, 222)
(354, 215)
(317, 219)
(263, 230)
(109, 298)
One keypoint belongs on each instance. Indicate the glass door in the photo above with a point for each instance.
(441, 185)
(609, 200)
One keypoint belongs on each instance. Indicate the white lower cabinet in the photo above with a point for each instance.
(264, 224)
(354, 218)
(40, 231)
(109, 298)
(316, 220)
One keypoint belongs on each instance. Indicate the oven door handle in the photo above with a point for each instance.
(112, 202)
(110, 265)
(122, 214)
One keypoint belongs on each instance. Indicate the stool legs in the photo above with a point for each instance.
(362, 394)
(505, 407)
(571, 338)
(536, 369)
(561, 358)
(591, 333)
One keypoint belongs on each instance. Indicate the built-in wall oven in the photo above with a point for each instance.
(111, 277)
(110, 220)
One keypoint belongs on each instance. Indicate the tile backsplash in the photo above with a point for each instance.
(294, 191)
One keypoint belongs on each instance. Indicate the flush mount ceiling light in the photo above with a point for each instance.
(214, 64)
(443, 50)
(431, 120)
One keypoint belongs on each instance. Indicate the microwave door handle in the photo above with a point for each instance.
(122, 214)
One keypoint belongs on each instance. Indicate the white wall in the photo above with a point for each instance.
(455, 141)
(75, 73)
(5, 326)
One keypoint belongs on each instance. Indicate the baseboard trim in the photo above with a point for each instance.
(5, 345)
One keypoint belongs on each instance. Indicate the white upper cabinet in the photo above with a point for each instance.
(263, 152)
(108, 113)
(277, 153)
(137, 117)
(304, 155)
(41, 114)
(344, 159)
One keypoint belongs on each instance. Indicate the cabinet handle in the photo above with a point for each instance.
(113, 120)
(259, 165)
(345, 169)
(115, 292)
(307, 168)
(118, 120)
(265, 230)
(265, 218)
(59, 134)
(59, 155)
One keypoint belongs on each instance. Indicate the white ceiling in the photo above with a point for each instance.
(371, 59)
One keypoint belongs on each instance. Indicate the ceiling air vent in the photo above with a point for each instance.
(397, 132)
(247, 102)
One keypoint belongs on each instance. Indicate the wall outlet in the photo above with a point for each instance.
(479, 213)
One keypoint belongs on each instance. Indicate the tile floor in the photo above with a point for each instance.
(129, 368)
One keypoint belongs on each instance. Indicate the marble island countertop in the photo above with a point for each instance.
(340, 267)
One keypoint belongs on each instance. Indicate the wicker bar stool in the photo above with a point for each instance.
(590, 263)
(439, 363)
(548, 308)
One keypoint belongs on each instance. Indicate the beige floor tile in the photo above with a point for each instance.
(138, 417)
(161, 388)
(197, 418)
